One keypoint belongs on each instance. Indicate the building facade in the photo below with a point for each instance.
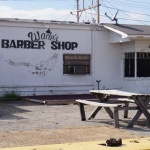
(70, 58)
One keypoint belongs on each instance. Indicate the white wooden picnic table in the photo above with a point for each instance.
(141, 101)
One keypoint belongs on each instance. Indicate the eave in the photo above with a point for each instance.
(124, 35)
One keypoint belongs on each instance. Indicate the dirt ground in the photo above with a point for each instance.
(27, 124)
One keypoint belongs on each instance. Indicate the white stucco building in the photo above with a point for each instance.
(70, 57)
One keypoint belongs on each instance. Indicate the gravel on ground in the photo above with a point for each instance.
(25, 123)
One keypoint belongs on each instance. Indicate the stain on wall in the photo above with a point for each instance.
(1, 56)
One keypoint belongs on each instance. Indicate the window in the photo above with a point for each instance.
(142, 64)
(76, 64)
(129, 63)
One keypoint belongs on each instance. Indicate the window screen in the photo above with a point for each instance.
(76, 64)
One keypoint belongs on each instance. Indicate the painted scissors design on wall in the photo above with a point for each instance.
(44, 66)
(41, 68)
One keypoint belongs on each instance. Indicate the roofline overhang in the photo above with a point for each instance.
(124, 35)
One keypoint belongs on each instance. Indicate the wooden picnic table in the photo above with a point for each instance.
(141, 101)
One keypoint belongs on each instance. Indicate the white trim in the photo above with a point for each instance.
(139, 36)
(50, 85)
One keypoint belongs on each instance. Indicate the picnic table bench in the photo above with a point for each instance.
(100, 105)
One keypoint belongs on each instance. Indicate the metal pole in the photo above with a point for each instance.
(98, 81)
(77, 11)
(83, 4)
(98, 12)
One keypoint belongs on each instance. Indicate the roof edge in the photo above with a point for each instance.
(116, 31)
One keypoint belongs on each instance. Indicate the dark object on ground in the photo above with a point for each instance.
(114, 142)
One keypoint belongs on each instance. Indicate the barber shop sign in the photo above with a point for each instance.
(37, 41)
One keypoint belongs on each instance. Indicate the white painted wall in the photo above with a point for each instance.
(107, 62)
(140, 85)
(19, 66)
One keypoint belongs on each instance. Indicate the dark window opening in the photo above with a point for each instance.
(76, 64)
(129, 65)
(143, 64)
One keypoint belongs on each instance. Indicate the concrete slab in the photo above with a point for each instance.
(128, 144)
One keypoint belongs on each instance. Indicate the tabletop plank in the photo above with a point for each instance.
(115, 92)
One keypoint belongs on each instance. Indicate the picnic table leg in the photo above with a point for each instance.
(142, 109)
(142, 105)
(95, 112)
(100, 97)
(82, 112)
(135, 118)
(126, 111)
(116, 118)
(109, 111)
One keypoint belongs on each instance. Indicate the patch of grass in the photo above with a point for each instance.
(11, 96)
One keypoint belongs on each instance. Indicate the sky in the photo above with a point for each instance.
(129, 11)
